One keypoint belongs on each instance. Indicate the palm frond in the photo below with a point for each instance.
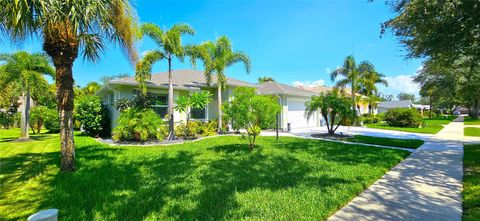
(240, 57)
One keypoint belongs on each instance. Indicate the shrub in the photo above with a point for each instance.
(139, 125)
(93, 115)
(196, 128)
(403, 117)
(251, 111)
(37, 118)
(52, 121)
(7, 119)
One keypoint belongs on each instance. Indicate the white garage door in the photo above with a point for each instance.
(296, 115)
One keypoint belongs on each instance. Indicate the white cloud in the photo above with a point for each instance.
(309, 83)
(401, 83)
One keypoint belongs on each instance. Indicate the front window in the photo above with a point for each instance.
(198, 113)
(160, 105)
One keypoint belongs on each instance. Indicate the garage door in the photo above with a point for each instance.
(296, 115)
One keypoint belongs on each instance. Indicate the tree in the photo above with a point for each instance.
(406, 96)
(368, 84)
(169, 45)
(333, 106)
(353, 75)
(250, 111)
(90, 89)
(67, 28)
(196, 100)
(216, 57)
(443, 30)
(265, 79)
(27, 71)
(93, 115)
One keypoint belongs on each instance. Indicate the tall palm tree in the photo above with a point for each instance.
(25, 71)
(368, 83)
(67, 28)
(170, 46)
(216, 57)
(351, 76)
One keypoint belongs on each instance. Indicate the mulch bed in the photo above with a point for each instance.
(332, 136)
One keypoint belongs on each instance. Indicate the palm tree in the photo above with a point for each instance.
(25, 71)
(66, 29)
(265, 79)
(216, 57)
(368, 83)
(170, 46)
(351, 76)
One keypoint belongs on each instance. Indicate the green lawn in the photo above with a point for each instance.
(470, 121)
(471, 183)
(471, 131)
(406, 143)
(433, 126)
(216, 178)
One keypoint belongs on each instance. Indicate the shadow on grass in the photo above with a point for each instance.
(135, 184)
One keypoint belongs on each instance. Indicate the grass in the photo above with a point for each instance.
(471, 131)
(393, 142)
(470, 121)
(433, 126)
(216, 178)
(471, 182)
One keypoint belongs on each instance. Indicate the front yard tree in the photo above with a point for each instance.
(170, 46)
(25, 71)
(252, 111)
(333, 106)
(368, 84)
(217, 57)
(67, 28)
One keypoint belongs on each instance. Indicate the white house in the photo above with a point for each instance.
(291, 98)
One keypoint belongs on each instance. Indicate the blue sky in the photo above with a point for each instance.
(298, 41)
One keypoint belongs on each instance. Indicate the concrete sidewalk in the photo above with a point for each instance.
(425, 186)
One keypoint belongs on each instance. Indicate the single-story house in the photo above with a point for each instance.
(386, 105)
(291, 98)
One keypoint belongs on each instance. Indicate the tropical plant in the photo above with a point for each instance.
(37, 118)
(372, 101)
(406, 96)
(89, 90)
(7, 119)
(217, 56)
(196, 100)
(334, 107)
(250, 111)
(169, 45)
(25, 71)
(51, 121)
(139, 125)
(265, 79)
(92, 115)
(67, 28)
(351, 75)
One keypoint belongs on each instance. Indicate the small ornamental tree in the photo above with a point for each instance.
(92, 114)
(250, 111)
(196, 100)
(37, 118)
(333, 106)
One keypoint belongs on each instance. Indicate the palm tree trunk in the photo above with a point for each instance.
(219, 93)
(25, 115)
(64, 81)
(171, 125)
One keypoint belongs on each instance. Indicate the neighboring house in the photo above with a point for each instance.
(362, 105)
(291, 98)
(386, 105)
